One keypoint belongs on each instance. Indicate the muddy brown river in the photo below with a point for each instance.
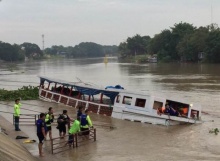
(131, 140)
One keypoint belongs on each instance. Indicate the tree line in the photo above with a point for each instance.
(83, 50)
(15, 52)
(181, 43)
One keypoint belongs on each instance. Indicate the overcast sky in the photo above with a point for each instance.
(107, 22)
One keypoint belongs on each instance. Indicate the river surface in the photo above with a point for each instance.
(130, 141)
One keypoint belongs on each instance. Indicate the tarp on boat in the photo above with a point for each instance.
(85, 89)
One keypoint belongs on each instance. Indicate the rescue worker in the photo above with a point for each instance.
(73, 130)
(48, 120)
(86, 123)
(62, 121)
(41, 126)
(17, 113)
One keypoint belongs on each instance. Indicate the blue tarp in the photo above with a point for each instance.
(114, 87)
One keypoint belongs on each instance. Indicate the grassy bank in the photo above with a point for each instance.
(25, 93)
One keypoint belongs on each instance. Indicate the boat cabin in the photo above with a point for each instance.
(135, 107)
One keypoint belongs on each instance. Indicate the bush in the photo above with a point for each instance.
(25, 93)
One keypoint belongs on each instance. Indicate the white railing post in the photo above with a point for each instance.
(98, 109)
(87, 104)
(51, 96)
(59, 98)
(68, 99)
(76, 103)
(40, 90)
(46, 94)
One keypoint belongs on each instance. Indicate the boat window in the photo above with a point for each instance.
(127, 100)
(118, 98)
(140, 102)
(182, 108)
(157, 105)
(194, 114)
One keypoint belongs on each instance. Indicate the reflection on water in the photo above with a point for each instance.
(135, 141)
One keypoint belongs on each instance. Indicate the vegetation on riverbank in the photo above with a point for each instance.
(181, 43)
(25, 93)
(136, 59)
(29, 51)
(17, 52)
(83, 50)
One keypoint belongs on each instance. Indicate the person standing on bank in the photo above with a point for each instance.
(48, 120)
(41, 126)
(86, 123)
(17, 113)
(62, 121)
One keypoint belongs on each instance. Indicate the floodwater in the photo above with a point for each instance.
(130, 141)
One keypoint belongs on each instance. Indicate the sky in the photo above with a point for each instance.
(106, 22)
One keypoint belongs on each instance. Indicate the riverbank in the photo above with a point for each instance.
(16, 150)
(10, 149)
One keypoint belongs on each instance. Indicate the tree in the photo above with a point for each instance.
(32, 50)
(162, 45)
(138, 44)
(193, 44)
(123, 49)
(10, 52)
(213, 44)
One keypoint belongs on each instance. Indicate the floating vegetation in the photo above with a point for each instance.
(215, 131)
(25, 93)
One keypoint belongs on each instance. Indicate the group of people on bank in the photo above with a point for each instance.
(81, 124)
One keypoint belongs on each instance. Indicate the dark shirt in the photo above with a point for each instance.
(171, 112)
(40, 124)
(65, 119)
(79, 113)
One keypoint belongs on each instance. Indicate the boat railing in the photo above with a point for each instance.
(74, 102)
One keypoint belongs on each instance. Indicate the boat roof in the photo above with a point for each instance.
(95, 89)
(73, 84)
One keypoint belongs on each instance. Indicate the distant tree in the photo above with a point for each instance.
(123, 49)
(88, 49)
(138, 44)
(135, 45)
(10, 52)
(213, 44)
(162, 45)
(32, 50)
(193, 44)
(165, 44)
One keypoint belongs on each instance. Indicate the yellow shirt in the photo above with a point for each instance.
(75, 127)
(17, 111)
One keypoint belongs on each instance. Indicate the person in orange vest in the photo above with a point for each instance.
(160, 110)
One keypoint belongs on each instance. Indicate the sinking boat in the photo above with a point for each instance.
(118, 102)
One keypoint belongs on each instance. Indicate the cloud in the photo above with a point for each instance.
(69, 22)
